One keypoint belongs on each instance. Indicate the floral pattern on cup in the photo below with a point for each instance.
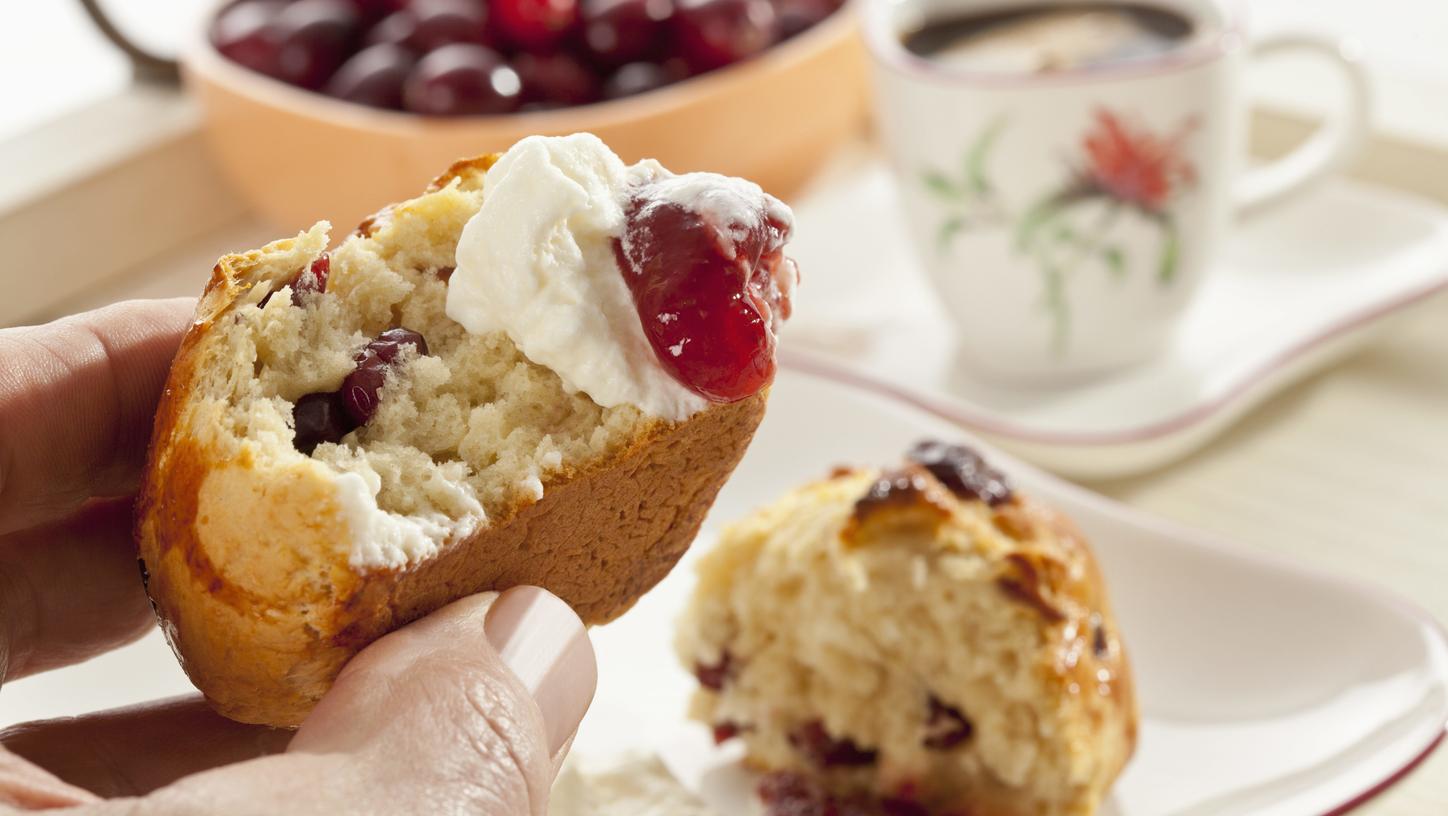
(1123, 165)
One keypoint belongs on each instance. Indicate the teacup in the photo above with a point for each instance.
(1068, 217)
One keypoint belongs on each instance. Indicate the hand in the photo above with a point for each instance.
(466, 711)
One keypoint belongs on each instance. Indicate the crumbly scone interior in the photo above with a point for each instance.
(473, 412)
(861, 633)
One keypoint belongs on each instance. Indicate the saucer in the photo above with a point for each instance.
(1294, 290)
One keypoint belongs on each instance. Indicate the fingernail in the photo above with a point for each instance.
(547, 647)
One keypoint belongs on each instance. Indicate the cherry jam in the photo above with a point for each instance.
(710, 284)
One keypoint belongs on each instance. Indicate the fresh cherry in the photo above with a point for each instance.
(320, 418)
(536, 25)
(315, 37)
(461, 80)
(444, 22)
(397, 28)
(707, 293)
(623, 31)
(636, 78)
(245, 33)
(715, 33)
(797, 15)
(556, 80)
(374, 76)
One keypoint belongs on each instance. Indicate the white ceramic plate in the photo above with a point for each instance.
(1265, 688)
(1294, 290)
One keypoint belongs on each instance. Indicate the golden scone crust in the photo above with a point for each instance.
(262, 607)
(860, 614)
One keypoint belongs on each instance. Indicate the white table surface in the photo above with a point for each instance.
(1347, 470)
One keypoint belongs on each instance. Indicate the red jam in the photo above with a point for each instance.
(708, 290)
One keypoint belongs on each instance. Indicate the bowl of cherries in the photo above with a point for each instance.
(328, 108)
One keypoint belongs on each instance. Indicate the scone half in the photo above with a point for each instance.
(273, 550)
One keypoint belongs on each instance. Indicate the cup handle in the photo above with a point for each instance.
(1334, 143)
(148, 67)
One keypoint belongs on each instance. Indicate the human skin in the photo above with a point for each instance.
(469, 710)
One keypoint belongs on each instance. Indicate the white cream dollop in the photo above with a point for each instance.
(386, 540)
(537, 262)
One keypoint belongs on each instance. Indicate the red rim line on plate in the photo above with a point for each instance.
(821, 364)
(1196, 539)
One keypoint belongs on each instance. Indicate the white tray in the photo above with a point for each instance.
(1294, 290)
(1265, 688)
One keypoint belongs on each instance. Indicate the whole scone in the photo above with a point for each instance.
(918, 640)
(463, 395)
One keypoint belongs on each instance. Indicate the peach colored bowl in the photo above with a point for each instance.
(299, 157)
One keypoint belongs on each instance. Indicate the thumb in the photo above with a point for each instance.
(465, 710)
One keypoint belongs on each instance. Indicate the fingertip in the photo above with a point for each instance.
(545, 644)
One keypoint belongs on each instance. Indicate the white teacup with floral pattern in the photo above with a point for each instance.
(1067, 218)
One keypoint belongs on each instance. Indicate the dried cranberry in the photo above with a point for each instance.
(713, 676)
(320, 418)
(946, 727)
(309, 280)
(825, 751)
(1099, 645)
(963, 471)
(362, 388)
(707, 293)
(725, 731)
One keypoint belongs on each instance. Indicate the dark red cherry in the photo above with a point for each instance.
(535, 25)
(714, 33)
(374, 76)
(320, 418)
(397, 28)
(245, 33)
(389, 344)
(796, 16)
(556, 80)
(725, 731)
(636, 78)
(315, 37)
(963, 471)
(311, 279)
(444, 22)
(462, 80)
(617, 32)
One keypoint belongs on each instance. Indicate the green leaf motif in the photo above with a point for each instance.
(1115, 261)
(948, 230)
(941, 186)
(1170, 250)
(975, 159)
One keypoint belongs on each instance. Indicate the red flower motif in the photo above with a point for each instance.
(1135, 165)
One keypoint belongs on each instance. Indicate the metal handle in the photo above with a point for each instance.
(148, 67)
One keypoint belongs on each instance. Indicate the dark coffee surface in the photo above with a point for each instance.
(1051, 36)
